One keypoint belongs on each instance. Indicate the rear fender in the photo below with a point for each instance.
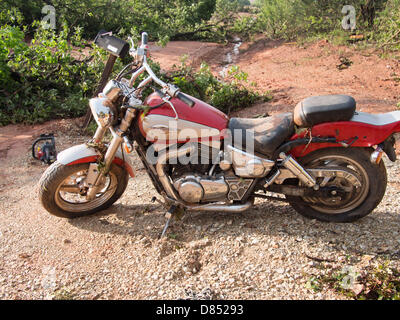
(85, 154)
(363, 130)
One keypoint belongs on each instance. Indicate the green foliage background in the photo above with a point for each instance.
(291, 19)
(44, 73)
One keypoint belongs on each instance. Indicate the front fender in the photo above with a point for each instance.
(84, 154)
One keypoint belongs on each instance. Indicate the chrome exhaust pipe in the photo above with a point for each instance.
(162, 161)
(222, 207)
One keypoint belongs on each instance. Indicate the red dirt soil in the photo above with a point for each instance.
(173, 52)
(290, 72)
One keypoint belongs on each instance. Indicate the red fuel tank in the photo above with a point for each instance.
(199, 122)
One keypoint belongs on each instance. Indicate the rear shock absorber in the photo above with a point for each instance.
(294, 167)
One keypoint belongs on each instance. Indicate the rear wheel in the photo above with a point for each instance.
(347, 200)
(62, 194)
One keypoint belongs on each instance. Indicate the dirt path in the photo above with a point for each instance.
(173, 52)
(260, 254)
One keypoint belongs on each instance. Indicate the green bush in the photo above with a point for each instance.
(293, 18)
(228, 95)
(387, 26)
(159, 18)
(44, 80)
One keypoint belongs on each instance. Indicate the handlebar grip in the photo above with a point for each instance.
(185, 99)
(145, 37)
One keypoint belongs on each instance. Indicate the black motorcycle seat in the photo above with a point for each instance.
(267, 133)
(320, 109)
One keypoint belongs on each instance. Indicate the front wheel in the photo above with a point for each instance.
(61, 192)
(346, 202)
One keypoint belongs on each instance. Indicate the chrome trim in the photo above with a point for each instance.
(272, 179)
(247, 165)
(128, 144)
(295, 167)
(190, 191)
(284, 174)
(112, 84)
(325, 173)
(238, 187)
(135, 75)
(221, 207)
(99, 135)
(161, 162)
(145, 82)
(194, 189)
(376, 156)
(103, 114)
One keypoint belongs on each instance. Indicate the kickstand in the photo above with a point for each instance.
(169, 215)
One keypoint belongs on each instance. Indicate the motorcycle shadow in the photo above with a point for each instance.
(266, 220)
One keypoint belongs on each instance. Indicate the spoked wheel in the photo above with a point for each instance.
(349, 196)
(62, 190)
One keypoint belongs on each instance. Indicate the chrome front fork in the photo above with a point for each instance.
(118, 138)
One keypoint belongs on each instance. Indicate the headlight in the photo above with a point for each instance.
(102, 112)
(113, 90)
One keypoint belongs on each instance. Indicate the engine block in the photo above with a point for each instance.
(194, 189)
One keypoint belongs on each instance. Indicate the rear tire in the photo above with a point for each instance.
(55, 175)
(376, 184)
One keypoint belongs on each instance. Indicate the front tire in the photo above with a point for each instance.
(59, 185)
(373, 186)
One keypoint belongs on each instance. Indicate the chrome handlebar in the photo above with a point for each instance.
(140, 55)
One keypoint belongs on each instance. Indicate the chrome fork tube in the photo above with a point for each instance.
(118, 137)
(99, 135)
(112, 150)
(108, 158)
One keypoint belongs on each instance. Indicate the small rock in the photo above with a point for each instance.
(357, 288)
(24, 255)
(255, 241)
(280, 270)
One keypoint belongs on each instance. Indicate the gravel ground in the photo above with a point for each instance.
(269, 252)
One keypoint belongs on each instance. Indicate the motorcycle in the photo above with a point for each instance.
(325, 157)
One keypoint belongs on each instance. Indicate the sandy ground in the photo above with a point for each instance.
(260, 254)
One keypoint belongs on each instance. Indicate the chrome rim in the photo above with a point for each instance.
(345, 195)
(71, 196)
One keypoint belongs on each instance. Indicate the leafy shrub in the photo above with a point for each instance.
(159, 18)
(44, 80)
(379, 282)
(227, 95)
(293, 18)
(52, 78)
(387, 26)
